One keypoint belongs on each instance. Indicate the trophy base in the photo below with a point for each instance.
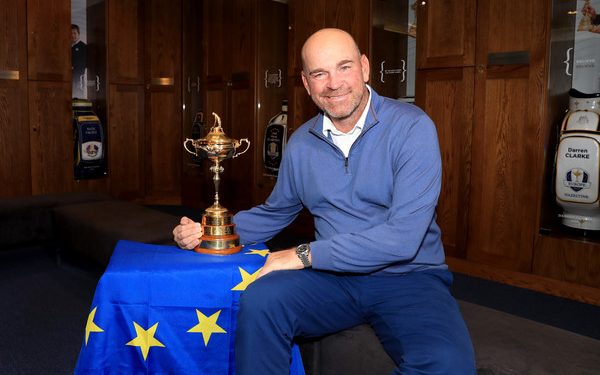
(218, 246)
(219, 233)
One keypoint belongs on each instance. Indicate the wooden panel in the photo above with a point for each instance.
(49, 28)
(163, 131)
(163, 32)
(51, 133)
(567, 259)
(164, 145)
(504, 187)
(238, 175)
(13, 37)
(241, 38)
(125, 41)
(506, 26)
(126, 141)
(509, 133)
(445, 33)
(214, 40)
(302, 108)
(215, 102)
(15, 168)
(192, 175)
(272, 56)
(447, 96)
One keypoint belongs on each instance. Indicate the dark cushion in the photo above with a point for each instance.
(28, 220)
(354, 351)
(92, 230)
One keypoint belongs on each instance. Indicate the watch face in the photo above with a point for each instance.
(302, 251)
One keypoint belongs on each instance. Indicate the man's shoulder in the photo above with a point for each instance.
(304, 134)
(387, 103)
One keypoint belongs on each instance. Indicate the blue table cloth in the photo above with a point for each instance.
(163, 310)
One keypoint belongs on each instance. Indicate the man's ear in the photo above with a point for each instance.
(305, 82)
(366, 70)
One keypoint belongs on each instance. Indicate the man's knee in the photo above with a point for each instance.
(262, 297)
(446, 358)
(456, 359)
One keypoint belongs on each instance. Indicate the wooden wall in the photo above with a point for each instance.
(143, 50)
(482, 76)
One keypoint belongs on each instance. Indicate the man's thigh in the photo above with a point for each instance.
(318, 303)
(419, 323)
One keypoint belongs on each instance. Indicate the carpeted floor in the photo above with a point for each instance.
(44, 308)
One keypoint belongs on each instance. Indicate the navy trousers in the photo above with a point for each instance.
(414, 315)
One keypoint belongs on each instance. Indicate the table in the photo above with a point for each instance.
(162, 310)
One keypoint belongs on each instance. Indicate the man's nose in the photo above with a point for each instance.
(335, 81)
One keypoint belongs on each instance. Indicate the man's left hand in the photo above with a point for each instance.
(281, 260)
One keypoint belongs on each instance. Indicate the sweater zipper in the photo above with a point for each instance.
(346, 158)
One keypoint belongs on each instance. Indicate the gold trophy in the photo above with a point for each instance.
(219, 231)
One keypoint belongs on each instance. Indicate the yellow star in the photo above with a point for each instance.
(90, 326)
(247, 279)
(207, 325)
(262, 253)
(145, 339)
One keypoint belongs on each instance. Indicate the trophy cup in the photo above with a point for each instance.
(219, 231)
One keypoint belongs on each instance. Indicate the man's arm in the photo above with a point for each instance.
(283, 205)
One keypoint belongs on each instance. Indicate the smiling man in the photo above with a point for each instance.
(335, 77)
(368, 169)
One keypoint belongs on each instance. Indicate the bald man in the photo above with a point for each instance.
(368, 169)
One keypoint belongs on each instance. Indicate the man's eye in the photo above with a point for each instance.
(318, 75)
(345, 68)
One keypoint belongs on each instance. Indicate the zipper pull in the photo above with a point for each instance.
(346, 163)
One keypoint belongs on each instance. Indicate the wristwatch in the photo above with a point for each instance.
(303, 251)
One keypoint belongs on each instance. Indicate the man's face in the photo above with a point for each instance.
(74, 36)
(334, 75)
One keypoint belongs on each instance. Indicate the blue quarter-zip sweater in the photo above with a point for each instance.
(374, 211)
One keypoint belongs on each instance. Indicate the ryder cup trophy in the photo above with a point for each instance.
(219, 231)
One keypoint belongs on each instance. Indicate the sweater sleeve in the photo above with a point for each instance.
(402, 235)
(264, 221)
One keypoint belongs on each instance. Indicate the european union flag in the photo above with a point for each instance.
(163, 310)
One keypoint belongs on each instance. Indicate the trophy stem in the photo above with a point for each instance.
(219, 236)
(216, 169)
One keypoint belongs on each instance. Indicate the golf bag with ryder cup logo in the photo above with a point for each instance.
(577, 167)
(88, 141)
(275, 141)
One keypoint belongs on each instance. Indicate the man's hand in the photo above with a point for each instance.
(281, 260)
(187, 234)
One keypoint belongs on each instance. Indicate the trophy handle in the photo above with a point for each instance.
(186, 148)
(239, 143)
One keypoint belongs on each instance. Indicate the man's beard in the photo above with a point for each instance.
(344, 113)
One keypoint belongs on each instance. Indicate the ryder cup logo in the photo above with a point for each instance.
(577, 179)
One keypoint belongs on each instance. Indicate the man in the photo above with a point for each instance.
(78, 61)
(368, 169)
